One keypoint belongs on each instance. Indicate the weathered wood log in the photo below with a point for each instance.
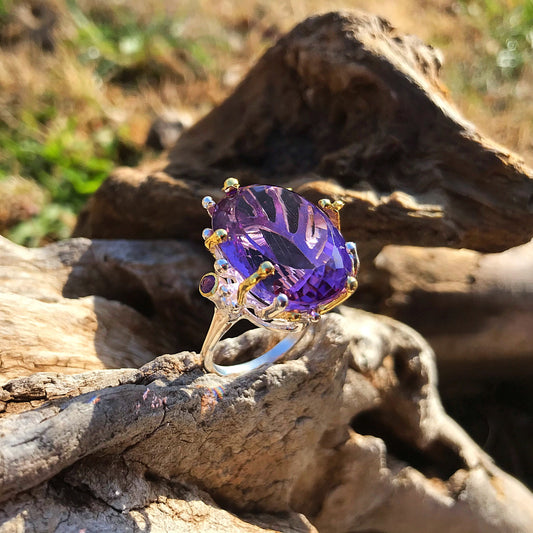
(81, 305)
(345, 107)
(476, 310)
(350, 432)
(62, 508)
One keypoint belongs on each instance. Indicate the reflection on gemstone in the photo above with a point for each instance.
(267, 223)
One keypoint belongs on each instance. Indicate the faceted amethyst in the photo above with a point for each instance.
(267, 223)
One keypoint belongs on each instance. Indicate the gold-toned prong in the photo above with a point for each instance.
(264, 270)
(231, 184)
(350, 288)
(217, 237)
(324, 204)
(337, 205)
(332, 210)
(351, 284)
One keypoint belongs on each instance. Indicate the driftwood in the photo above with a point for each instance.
(344, 107)
(350, 433)
(476, 310)
(97, 304)
(346, 435)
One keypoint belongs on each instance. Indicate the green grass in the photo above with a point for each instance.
(505, 46)
(48, 138)
(514, 33)
(114, 41)
(5, 8)
(68, 163)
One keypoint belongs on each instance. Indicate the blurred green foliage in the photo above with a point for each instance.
(113, 39)
(510, 28)
(68, 155)
(5, 8)
(50, 139)
(513, 30)
(67, 162)
(52, 223)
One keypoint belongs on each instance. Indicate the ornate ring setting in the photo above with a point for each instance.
(280, 262)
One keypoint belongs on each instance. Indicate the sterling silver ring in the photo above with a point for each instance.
(280, 263)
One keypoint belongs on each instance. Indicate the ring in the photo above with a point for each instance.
(280, 263)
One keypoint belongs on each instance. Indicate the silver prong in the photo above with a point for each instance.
(221, 266)
(275, 308)
(207, 201)
(351, 248)
(208, 204)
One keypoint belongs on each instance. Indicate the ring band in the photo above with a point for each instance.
(220, 325)
(280, 263)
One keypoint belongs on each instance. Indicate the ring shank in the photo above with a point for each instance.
(220, 325)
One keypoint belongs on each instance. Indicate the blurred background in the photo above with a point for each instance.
(82, 83)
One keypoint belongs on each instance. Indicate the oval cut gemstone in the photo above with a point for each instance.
(268, 223)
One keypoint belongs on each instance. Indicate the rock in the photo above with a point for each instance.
(349, 432)
(344, 107)
(476, 310)
(73, 336)
(80, 305)
(62, 508)
(165, 131)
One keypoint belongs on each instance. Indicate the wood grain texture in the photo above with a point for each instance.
(476, 310)
(81, 305)
(350, 432)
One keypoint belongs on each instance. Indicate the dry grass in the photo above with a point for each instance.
(116, 65)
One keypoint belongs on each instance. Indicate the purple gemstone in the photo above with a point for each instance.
(207, 283)
(267, 223)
